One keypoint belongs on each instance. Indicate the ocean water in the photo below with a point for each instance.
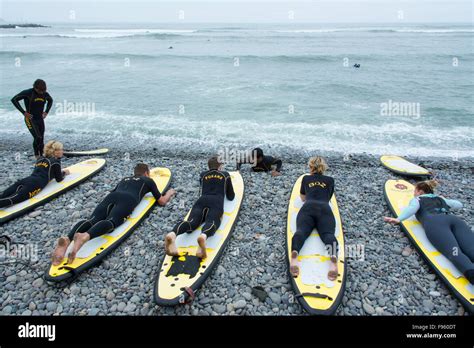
(291, 86)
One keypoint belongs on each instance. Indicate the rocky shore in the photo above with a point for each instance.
(389, 278)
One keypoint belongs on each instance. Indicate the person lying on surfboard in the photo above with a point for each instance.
(261, 163)
(316, 192)
(216, 184)
(111, 212)
(46, 168)
(450, 235)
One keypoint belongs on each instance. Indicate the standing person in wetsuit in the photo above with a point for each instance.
(111, 212)
(35, 99)
(216, 185)
(316, 191)
(46, 169)
(448, 233)
(261, 163)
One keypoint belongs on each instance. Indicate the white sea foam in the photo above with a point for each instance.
(179, 130)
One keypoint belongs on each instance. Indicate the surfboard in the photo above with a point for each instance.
(316, 293)
(398, 194)
(98, 248)
(79, 172)
(186, 271)
(401, 166)
(96, 152)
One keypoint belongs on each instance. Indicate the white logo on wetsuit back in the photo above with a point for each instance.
(37, 331)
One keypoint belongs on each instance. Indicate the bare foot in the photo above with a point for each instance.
(332, 274)
(60, 251)
(294, 268)
(170, 245)
(79, 240)
(201, 252)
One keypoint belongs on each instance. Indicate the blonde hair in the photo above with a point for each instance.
(317, 165)
(50, 147)
(427, 186)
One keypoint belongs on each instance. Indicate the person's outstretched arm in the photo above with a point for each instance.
(161, 199)
(408, 211)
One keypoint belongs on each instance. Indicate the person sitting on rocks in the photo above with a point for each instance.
(261, 163)
(111, 212)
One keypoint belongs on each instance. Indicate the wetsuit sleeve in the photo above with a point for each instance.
(49, 102)
(154, 189)
(229, 190)
(453, 203)
(57, 172)
(331, 190)
(20, 96)
(302, 188)
(278, 163)
(242, 161)
(410, 210)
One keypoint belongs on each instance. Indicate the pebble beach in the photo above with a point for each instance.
(388, 278)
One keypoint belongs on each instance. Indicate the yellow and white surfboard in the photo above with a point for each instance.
(180, 274)
(317, 294)
(401, 166)
(79, 172)
(96, 249)
(398, 194)
(96, 152)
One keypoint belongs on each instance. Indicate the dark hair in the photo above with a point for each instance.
(141, 169)
(427, 186)
(213, 162)
(258, 152)
(40, 84)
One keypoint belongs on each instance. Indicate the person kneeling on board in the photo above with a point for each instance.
(111, 212)
(261, 163)
(448, 233)
(46, 168)
(216, 184)
(316, 192)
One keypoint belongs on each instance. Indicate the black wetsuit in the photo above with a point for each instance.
(448, 233)
(265, 164)
(116, 206)
(316, 212)
(45, 170)
(215, 186)
(34, 104)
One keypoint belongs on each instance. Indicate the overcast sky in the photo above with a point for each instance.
(235, 11)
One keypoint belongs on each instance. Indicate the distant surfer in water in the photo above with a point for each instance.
(46, 168)
(316, 191)
(356, 65)
(448, 233)
(216, 185)
(35, 100)
(261, 163)
(111, 212)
